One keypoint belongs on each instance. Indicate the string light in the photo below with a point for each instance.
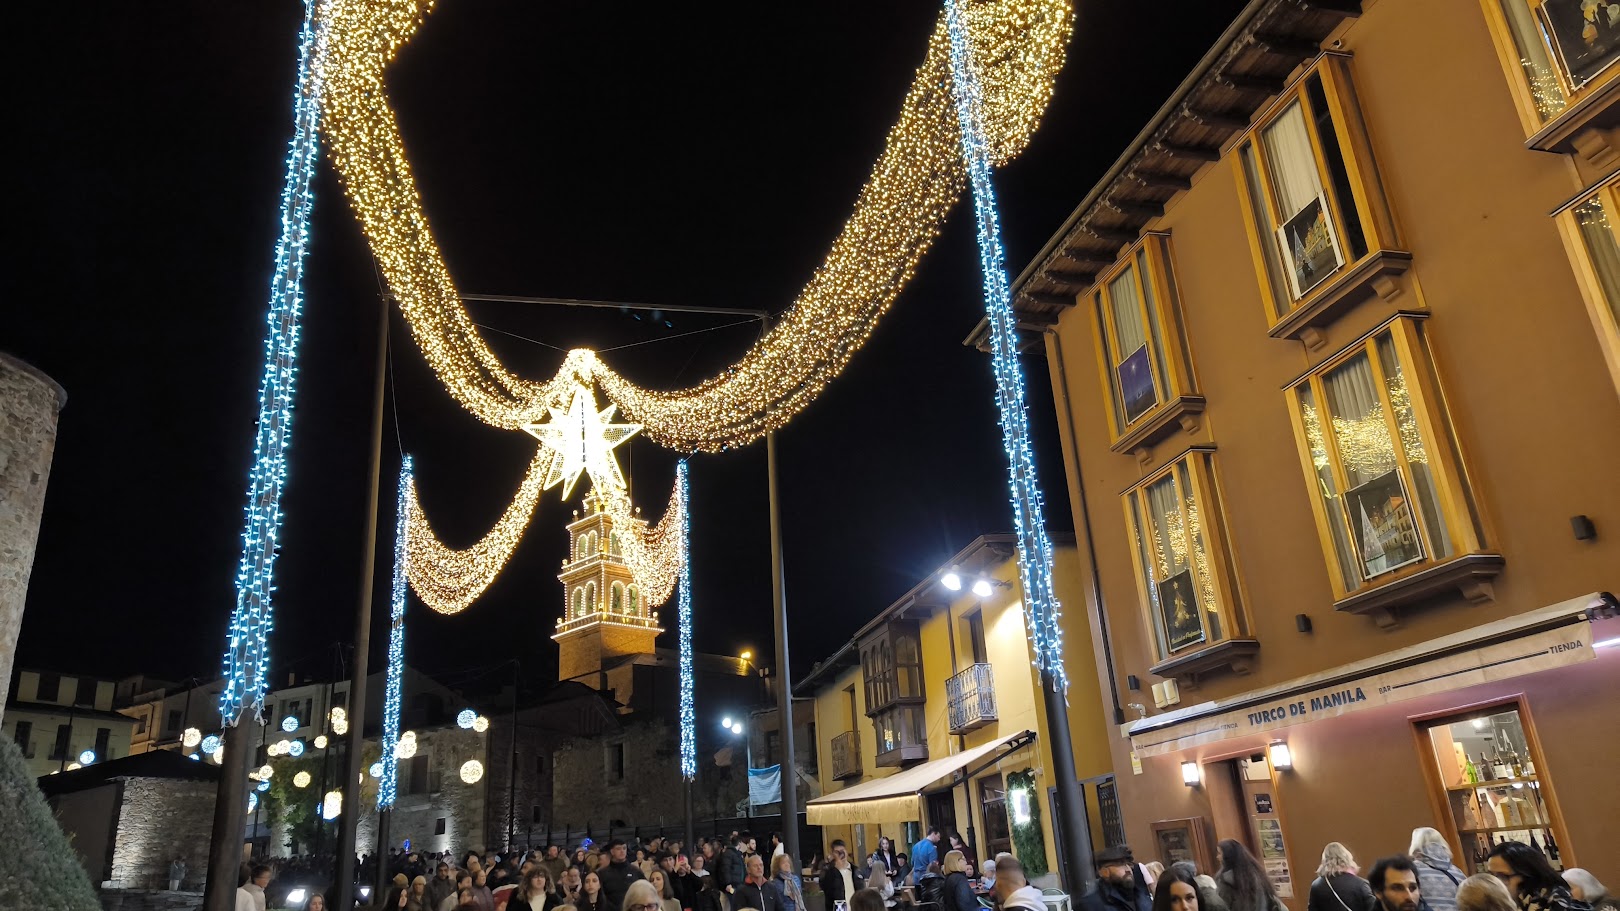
(247, 651)
(898, 213)
(376, 771)
(394, 688)
(683, 482)
(1034, 547)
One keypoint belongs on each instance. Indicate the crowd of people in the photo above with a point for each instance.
(740, 874)
(1422, 879)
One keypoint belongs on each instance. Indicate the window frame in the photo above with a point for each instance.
(1605, 314)
(1546, 131)
(1175, 383)
(1459, 510)
(1226, 583)
(1289, 315)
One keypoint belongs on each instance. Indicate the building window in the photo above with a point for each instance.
(64, 734)
(1315, 206)
(1381, 463)
(633, 593)
(815, 750)
(140, 725)
(413, 775)
(103, 737)
(901, 735)
(579, 602)
(615, 762)
(173, 727)
(773, 747)
(535, 814)
(618, 598)
(891, 667)
(975, 629)
(1490, 771)
(1556, 52)
(1143, 353)
(590, 597)
(614, 547)
(993, 797)
(1589, 236)
(1185, 574)
(438, 826)
(85, 692)
(23, 731)
(50, 687)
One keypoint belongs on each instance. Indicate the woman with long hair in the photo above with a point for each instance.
(958, 891)
(1532, 882)
(1243, 883)
(1337, 886)
(590, 894)
(666, 892)
(865, 900)
(885, 854)
(535, 893)
(1176, 891)
(786, 884)
(879, 881)
(1484, 892)
(1438, 877)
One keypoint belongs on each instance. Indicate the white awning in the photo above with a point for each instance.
(1554, 636)
(894, 798)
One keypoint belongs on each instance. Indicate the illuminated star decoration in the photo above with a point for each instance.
(582, 439)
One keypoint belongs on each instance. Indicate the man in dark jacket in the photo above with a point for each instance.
(754, 892)
(1120, 884)
(617, 874)
(441, 886)
(840, 879)
(732, 869)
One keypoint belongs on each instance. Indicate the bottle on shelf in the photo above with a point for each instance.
(1552, 845)
(1487, 771)
(1499, 767)
(1536, 844)
(1471, 771)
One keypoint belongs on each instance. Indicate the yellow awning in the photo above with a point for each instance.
(894, 798)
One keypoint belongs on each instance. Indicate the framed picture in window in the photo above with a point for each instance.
(1309, 247)
(1136, 385)
(1585, 36)
(1382, 524)
(1183, 839)
(1178, 605)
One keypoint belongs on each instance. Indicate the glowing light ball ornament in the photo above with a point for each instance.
(283, 747)
(320, 741)
(296, 748)
(88, 757)
(471, 771)
(466, 719)
(332, 805)
(211, 744)
(301, 780)
(263, 786)
(265, 772)
(253, 802)
(340, 720)
(375, 770)
(406, 748)
(289, 724)
(480, 724)
(191, 738)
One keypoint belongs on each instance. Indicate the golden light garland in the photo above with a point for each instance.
(450, 580)
(1018, 51)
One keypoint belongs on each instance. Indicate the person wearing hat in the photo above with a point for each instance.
(1121, 885)
(618, 873)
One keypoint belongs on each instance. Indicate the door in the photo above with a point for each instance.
(997, 831)
(1245, 806)
(941, 812)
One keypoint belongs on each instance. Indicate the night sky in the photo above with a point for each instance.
(658, 153)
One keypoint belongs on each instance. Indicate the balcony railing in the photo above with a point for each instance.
(846, 756)
(970, 698)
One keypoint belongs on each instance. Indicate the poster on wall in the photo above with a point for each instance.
(1385, 529)
(1585, 34)
(1175, 845)
(1274, 856)
(1136, 384)
(1178, 602)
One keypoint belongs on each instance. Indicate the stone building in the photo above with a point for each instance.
(29, 403)
(130, 817)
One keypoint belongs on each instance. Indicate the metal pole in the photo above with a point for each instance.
(748, 759)
(349, 820)
(784, 675)
(689, 842)
(230, 817)
(511, 769)
(1077, 849)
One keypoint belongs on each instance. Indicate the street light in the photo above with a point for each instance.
(736, 727)
(952, 580)
(982, 588)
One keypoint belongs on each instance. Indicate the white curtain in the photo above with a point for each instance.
(1126, 307)
(1293, 166)
(1356, 417)
(1601, 248)
(1169, 542)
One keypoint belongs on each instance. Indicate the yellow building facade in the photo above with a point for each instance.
(932, 715)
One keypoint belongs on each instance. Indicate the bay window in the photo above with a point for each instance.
(1588, 228)
(1185, 575)
(1390, 497)
(1143, 351)
(1559, 57)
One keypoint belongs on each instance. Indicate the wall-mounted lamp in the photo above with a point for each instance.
(1281, 757)
(952, 580)
(1191, 775)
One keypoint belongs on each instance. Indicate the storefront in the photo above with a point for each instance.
(1498, 732)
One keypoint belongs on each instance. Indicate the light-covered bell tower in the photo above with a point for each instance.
(604, 614)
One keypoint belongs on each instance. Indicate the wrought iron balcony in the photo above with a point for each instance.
(846, 756)
(970, 698)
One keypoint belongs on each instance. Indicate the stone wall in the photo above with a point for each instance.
(462, 806)
(29, 402)
(160, 819)
(649, 793)
(533, 787)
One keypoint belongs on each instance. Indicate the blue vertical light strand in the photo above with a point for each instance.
(688, 709)
(247, 650)
(1034, 547)
(396, 645)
